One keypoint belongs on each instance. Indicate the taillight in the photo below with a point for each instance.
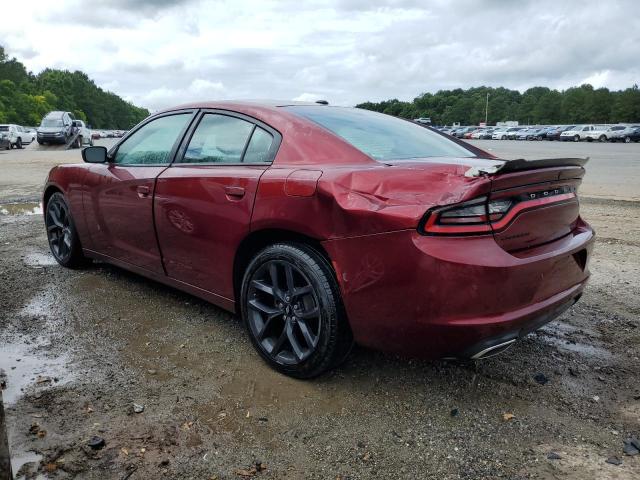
(483, 215)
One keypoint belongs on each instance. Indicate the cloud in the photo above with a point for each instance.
(164, 52)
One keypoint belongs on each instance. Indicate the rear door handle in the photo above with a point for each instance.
(236, 192)
(143, 191)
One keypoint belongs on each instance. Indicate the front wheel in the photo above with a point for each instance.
(293, 312)
(19, 144)
(62, 234)
(627, 139)
(576, 138)
(602, 138)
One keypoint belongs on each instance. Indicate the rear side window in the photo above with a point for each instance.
(218, 139)
(259, 147)
(380, 136)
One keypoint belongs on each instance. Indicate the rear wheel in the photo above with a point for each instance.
(61, 233)
(19, 143)
(293, 312)
(627, 139)
(576, 138)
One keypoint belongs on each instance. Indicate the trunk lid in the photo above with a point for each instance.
(544, 202)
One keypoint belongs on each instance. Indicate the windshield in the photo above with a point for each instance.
(380, 136)
(51, 122)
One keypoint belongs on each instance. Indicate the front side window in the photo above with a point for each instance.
(152, 143)
(380, 136)
(218, 139)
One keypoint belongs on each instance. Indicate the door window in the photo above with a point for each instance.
(153, 143)
(218, 139)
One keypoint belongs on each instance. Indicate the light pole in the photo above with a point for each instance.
(486, 110)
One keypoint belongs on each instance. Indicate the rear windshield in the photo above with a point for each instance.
(380, 136)
(4, 128)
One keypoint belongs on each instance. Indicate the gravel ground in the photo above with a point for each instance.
(83, 350)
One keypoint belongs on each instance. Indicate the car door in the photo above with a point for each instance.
(119, 194)
(204, 200)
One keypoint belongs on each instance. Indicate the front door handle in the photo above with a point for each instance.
(235, 192)
(143, 191)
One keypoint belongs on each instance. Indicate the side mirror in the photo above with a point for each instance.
(95, 154)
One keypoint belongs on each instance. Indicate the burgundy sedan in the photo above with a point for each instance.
(323, 226)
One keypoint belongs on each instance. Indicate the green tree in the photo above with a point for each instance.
(25, 98)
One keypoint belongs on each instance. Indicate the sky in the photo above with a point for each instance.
(159, 53)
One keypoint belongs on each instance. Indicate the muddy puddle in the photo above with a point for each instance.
(26, 360)
(30, 208)
(37, 260)
(25, 369)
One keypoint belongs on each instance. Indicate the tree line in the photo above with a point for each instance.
(536, 106)
(25, 98)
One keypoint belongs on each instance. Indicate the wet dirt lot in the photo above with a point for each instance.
(80, 348)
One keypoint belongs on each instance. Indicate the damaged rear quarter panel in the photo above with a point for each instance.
(363, 199)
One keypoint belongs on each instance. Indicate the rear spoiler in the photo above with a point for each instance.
(520, 165)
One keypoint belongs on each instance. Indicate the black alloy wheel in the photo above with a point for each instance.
(284, 313)
(293, 312)
(61, 233)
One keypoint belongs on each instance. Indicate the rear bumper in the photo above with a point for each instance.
(442, 296)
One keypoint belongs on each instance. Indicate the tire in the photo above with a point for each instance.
(91, 142)
(504, 137)
(78, 142)
(576, 138)
(627, 139)
(40, 142)
(602, 138)
(62, 234)
(19, 143)
(300, 335)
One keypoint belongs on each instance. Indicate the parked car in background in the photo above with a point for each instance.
(486, 134)
(610, 134)
(460, 133)
(56, 127)
(513, 132)
(84, 134)
(554, 132)
(18, 135)
(621, 135)
(423, 120)
(499, 133)
(632, 135)
(477, 134)
(577, 133)
(470, 132)
(4, 140)
(542, 133)
(598, 132)
(527, 134)
(226, 218)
